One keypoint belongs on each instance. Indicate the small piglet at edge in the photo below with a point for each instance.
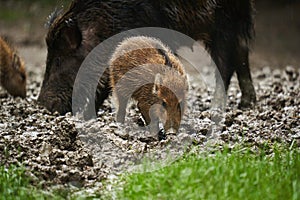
(12, 71)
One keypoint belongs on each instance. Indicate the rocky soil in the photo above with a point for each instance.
(63, 150)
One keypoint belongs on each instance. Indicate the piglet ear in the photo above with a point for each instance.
(71, 35)
(157, 83)
(16, 63)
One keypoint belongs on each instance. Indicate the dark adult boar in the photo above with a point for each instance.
(225, 27)
(144, 69)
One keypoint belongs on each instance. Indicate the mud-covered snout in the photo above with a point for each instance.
(16, 85)
(17, 90)
(54, 103)
(170, 116)
(171, 131)
(56, 91)
(172, 123)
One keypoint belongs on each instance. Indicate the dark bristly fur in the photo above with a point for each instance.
(225, 27)
(52, 17)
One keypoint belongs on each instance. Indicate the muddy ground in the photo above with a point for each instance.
(62, 150)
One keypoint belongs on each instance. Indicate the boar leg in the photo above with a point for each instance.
(241, 62)
(144, 110)
(221, 56)
(103, 89)
(229, 56)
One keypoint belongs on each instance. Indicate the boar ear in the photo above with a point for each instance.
(157, 83)
(71, 35)
(53, 16)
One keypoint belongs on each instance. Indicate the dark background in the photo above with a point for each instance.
(277, 25)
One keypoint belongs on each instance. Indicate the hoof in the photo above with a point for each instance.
(162, 135)
(247, 102)
(140, 121)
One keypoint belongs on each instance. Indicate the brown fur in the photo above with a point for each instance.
(12, 71)
(144, 69)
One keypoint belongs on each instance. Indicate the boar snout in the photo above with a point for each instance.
(53, 103)
(171, 131)
(18, 91)
(171, 127)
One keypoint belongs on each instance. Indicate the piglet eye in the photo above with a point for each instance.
(23, 77)
(164, 104)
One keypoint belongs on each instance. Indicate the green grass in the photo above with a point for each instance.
(236, 174)
(226, 175)
(14, 185)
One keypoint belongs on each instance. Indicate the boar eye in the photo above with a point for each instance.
(57, 62)
(164, 104)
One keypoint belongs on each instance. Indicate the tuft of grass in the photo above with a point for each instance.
(14, 184)
(224, 175)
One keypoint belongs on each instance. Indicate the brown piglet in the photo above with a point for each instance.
(145, 70)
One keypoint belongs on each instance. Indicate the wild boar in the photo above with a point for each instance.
(12, 71)
(144, 69)
(224, 26)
